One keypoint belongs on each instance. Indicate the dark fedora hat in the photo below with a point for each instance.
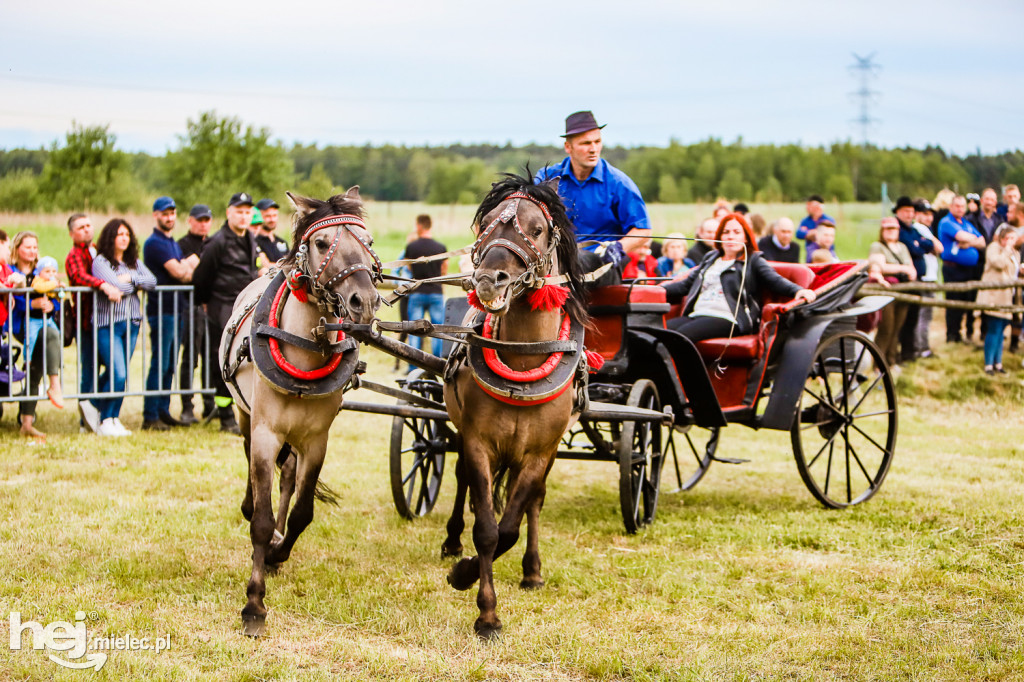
(580, 122)
(903, 202)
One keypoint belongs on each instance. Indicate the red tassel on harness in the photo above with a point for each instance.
(296, 287)
(594, 360)
(548, 297)
(473, 300)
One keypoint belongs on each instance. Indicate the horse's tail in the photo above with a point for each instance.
(500, 489)
(322, 491)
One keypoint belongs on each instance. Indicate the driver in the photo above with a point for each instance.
(603, 202)
(722, 292)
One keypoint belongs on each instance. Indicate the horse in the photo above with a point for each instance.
(273, 356)
(524, 237)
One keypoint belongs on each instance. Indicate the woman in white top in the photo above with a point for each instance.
(117, 323)
(723, 290)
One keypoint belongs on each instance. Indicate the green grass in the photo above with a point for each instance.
(743, 578)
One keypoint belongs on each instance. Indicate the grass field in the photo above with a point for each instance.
(743, 578)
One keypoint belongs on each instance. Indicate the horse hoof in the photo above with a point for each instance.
(254, 626)
(461, 577)
(531, 583)
(271, 568)
(487, 631)
(449, 552)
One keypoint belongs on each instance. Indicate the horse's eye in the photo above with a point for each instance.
(537, 231)
(321, 244)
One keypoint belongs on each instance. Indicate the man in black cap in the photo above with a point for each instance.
(194, 336)
(228, 265)
(270, 244)
(603, 202)
(918, 246)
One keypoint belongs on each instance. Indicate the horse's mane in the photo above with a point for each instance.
(337, 205)
(568, 256)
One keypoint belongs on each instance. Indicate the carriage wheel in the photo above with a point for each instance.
(418, 448)
(640, 460)
(689, 451)
(844, 430)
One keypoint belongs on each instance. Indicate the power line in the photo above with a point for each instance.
(865, 69)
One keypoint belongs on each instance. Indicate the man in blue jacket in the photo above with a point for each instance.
(603, 202)
(918, 247)
(961, 249)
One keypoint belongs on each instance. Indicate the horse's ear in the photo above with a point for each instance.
(304, 205)
(551, 184)
(353, 193)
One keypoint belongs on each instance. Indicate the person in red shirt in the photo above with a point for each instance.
(78, 266)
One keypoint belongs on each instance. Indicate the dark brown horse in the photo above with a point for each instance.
(524, 235)
(289, 401)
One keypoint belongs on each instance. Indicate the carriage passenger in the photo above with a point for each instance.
(722, 292)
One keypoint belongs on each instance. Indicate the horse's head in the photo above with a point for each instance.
(332, 256)
(517, 244)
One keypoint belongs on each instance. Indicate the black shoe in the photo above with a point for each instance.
(227, 421)
(154, 425)
(209, 410)
(999, 369)
(166, 418)
(187, 418)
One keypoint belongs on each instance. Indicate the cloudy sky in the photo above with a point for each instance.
(404, 72)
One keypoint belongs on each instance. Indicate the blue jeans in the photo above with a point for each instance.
(115, 350)
(87, 383)
(421, 305)
(994, 339)
(164, 337)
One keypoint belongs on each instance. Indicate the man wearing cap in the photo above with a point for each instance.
(924, 218)
(272, 246)
(193, 323)
(228, 265)
(815, 215)
(603, 202)
(918, 246)
(164, 258)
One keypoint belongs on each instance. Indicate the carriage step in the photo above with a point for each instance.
(730, 460)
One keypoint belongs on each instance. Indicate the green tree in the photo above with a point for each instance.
(733, 186)
(217, 158)
(318, 185)
(89, 172)
(839, 187)
(771, 192)
(19, 191)
(706, 177)
(668, 190)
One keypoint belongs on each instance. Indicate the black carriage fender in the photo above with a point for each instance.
(794, 365)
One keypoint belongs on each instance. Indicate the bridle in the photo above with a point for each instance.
(300, 280)
(538, 263)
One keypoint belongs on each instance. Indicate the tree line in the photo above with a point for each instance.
(220, 155)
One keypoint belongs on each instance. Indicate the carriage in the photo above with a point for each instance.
(657, 405)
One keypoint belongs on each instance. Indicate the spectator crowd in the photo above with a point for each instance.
(199, 274)
(955, 238)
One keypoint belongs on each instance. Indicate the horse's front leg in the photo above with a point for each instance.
(452, 545)
(244, 425)
(531, 557)
(287, 486)
(310, 460)
(265, 446)
(485, 537)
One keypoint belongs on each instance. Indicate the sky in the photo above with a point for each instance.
(414, 73)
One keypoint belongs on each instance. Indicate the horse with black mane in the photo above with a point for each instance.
(512, 401)
(286, 361)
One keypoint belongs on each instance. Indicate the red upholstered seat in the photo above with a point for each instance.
(620, 294)
(609, 308)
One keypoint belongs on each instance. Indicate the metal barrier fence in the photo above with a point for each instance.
(185, 322)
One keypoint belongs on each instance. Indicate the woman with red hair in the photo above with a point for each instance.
(722, 291)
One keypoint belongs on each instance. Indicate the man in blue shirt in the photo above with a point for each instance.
(961, 244)
(603, 202)
(815, 215)
(164, 312)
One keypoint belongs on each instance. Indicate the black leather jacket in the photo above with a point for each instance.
(226, 266)
(760, 276)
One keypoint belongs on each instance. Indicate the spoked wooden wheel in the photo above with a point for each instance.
(689, 451)
(844, 431)
(418, 448)
(640, 460)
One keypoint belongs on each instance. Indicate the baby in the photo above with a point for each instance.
(46, 281)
